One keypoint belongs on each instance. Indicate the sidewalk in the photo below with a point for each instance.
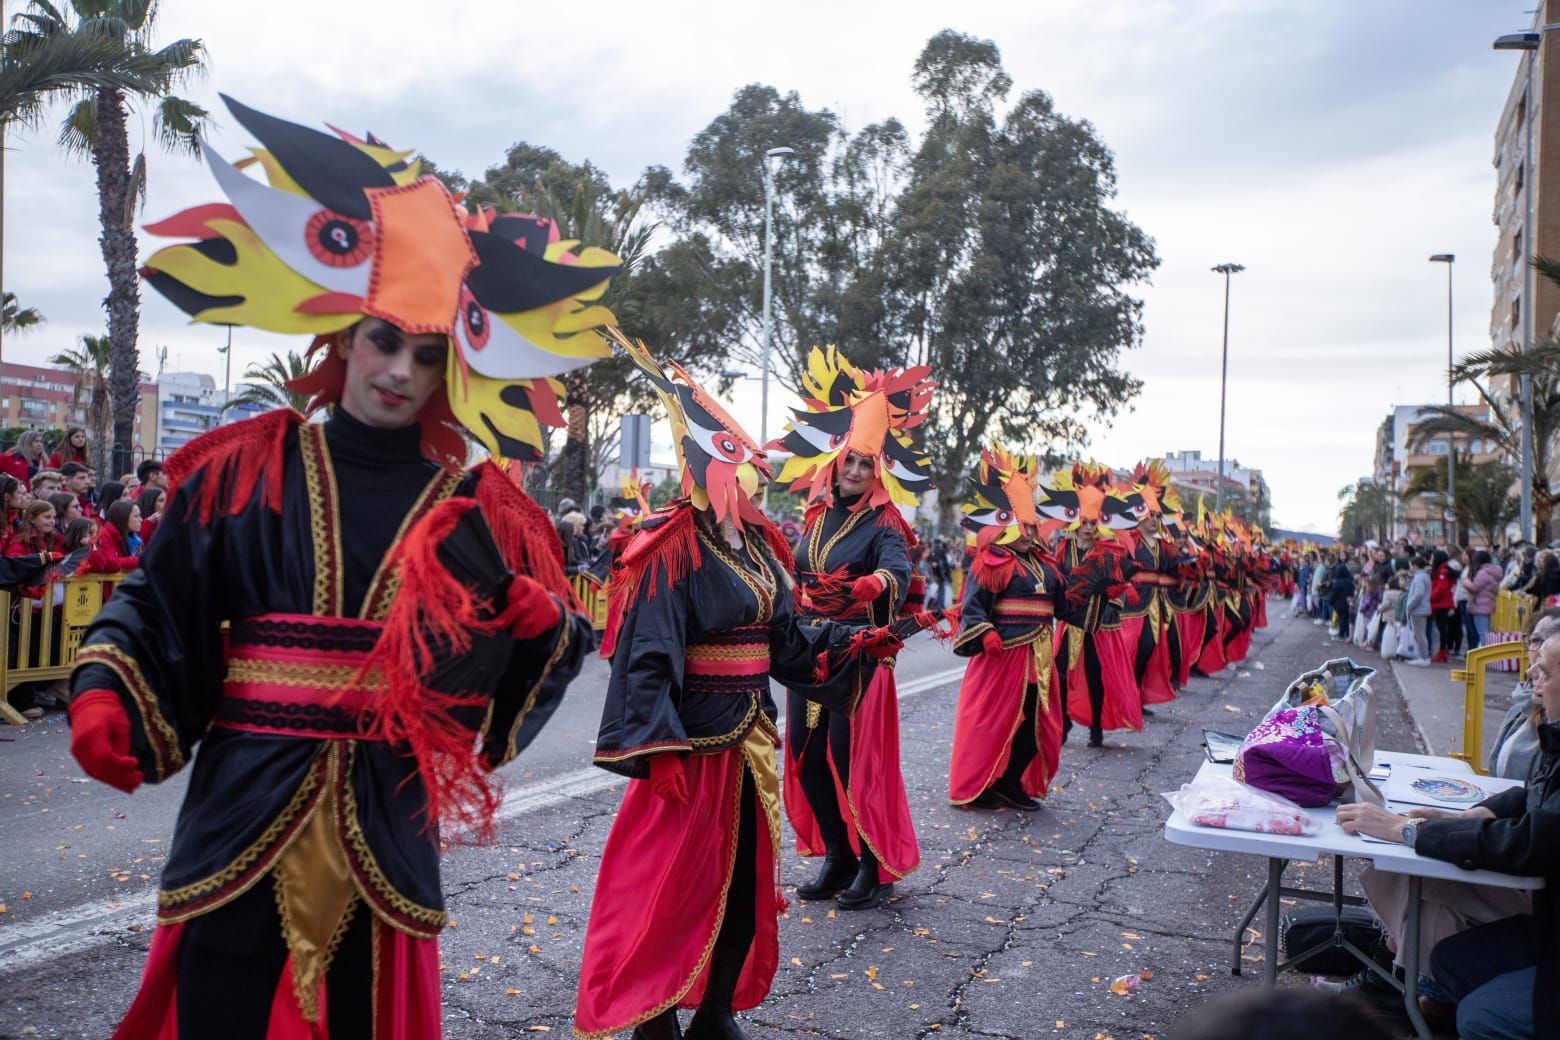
(1436, 704)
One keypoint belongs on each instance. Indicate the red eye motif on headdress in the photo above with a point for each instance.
(338, 241)
(1004, 517)
(727, 445)
(1072, 514)
(474, 320)
(836, 440)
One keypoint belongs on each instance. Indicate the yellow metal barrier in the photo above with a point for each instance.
(593, 595)
(1512, 610)
(1472, 676)
(42, 635)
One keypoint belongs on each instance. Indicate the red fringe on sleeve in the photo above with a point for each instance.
(524, 534)
(993, 568)
(237, 458)
(665, 543)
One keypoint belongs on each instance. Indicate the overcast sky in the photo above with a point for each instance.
(1330, 146)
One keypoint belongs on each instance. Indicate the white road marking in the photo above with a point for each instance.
(55, 934)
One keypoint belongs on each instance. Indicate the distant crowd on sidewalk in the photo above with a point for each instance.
(1419, 604)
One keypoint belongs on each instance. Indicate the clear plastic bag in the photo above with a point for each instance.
(1228, 804)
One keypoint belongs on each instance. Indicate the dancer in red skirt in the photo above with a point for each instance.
(1148, 618)
(851, 454)
(1095, 671)
(1007, 730)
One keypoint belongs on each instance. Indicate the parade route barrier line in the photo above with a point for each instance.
(28, 943)
(1471, 675)
(42, 635)
(1511, 611)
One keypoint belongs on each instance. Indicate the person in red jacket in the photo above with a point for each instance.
(13, 499)
(25, 458)
(150, 502)
(37, 534)
(1442, 605)
(72, 449)
(113, 543)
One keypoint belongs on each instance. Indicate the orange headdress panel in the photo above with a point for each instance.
(852, 410)
(1003, 501)
(1086, 491)
(342, 228)
(1150, 492)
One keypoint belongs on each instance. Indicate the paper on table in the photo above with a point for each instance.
(1442, 791)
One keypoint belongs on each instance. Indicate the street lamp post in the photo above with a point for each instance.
(769, 246)
(227, 377)
(1224, 373)
(1451, 444)
(1527, 41)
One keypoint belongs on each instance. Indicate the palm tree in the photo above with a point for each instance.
(1503, 426)
(1430, 483)
(90, 365)
(1366, 512)
(15, 318)
(96, 126)
(268, 388)
(1484, 493)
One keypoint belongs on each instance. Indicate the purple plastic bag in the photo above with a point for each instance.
(1287, 754)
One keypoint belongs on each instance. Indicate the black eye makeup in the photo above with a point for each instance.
(430, 356)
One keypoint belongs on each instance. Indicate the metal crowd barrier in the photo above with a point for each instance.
(1511, 611)
(43, 635)
(1472, 675)
(593, 595)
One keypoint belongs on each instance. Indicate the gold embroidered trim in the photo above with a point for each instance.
(814, 714)
(565, 636)
(714, 652)
(972, 633)
(167, 756)
(726, 738)
(763, 588)
(379, 892)
(324, 523)
(304, 800)
(818, 560)
(386, 582)
(293, 673)
(636, 752)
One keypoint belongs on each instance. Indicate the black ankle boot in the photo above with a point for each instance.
(1011, 793)
(838, 868)
(662, 1027)
(714, 1019)
(1096, 737)
(865, 890)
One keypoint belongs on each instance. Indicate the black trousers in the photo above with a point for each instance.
(739, 926)
(231, 959)
(813, 748)
(1025, 747)
(1094, 676)
(1145, 651)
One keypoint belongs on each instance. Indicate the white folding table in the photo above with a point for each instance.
(1331, 840)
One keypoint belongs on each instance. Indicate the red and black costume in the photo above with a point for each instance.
(844, 791)
(303, 879)
(342, 629)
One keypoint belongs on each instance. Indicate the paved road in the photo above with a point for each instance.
(1015, 925)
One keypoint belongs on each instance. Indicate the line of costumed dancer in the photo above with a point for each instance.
(1111, 617)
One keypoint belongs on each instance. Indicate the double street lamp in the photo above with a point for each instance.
(1451, 444)
(1224, 373)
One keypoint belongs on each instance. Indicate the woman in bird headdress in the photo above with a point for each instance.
(339, 630)
(1095, 674)
(1148, 617)
(851, 454)
(1007, 728)
(702, 613)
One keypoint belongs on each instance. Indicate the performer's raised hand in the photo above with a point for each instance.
(667, 778)
(866, 588)
(991, 642)
(100, 739)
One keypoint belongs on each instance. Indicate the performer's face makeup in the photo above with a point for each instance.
(855, 474)
(1087, 529)
(1026, 540)
(391, 374)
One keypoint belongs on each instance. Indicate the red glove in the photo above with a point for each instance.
(867, 589)
(532, 610)
(667, 778)
(100, 739)
(991, 642)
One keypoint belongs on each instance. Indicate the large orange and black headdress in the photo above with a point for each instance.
(1085, 491)
(1004, 497)
(853, 410)
(1150, 493)
(721, 466)
(344, 228)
